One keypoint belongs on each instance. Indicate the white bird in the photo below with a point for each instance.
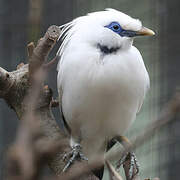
(102, 79)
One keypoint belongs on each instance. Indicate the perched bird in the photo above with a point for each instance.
(102, 79)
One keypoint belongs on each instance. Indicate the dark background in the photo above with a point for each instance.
(23, 21)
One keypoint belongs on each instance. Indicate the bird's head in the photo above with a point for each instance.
(108, 30)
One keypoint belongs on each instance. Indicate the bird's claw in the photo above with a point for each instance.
(75, 153)
(133, 165)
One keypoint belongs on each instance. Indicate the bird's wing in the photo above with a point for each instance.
(60, 92)
(65, 37)
(146, 88)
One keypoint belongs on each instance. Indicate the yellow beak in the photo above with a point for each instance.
(145, 32)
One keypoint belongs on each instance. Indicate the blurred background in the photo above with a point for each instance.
(24, 21)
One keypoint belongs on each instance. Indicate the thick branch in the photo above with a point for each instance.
(25, 92)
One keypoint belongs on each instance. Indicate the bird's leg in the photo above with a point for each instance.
(74, 154)
(130, 156)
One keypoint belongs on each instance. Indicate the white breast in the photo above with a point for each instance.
(101, 95)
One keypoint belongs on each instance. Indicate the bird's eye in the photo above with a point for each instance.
(116, 27)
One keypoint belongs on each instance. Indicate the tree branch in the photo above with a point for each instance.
(42, 49)
(39, 138)
(6, 82)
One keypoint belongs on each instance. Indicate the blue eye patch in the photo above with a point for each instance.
(116, 27)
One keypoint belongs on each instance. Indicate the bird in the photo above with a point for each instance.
(102, 79)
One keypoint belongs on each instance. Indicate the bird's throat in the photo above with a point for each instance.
(106, 50)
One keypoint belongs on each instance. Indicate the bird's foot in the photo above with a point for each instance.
(75, 153)
(133, 165)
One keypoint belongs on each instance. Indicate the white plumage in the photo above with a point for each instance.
(102, 80)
